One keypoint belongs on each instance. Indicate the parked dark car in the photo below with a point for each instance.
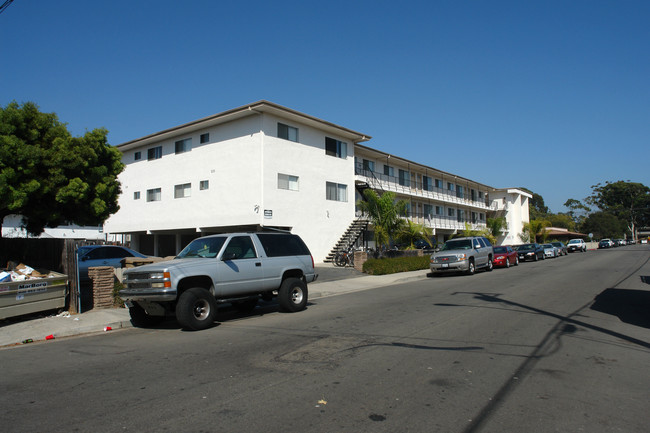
(605, 243)
(532, 252)
(504, 256)
(90, 256)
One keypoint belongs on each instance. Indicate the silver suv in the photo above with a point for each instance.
(463, 255)
(237, 268)
(576, 245)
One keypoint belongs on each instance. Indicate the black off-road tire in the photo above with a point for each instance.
(293, 295)
(196, 309)
(140, 318)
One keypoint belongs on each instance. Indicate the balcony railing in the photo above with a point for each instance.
(399, 185)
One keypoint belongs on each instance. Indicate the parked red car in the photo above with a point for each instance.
(505, 256)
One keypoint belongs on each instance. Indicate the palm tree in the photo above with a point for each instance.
(495, 227)
(536, 228)
(385, 214)
(412, 232)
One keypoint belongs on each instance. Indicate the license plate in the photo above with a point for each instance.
(445, 265)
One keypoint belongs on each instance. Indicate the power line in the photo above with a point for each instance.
(5, 5)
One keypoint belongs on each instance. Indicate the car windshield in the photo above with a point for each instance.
(460, 244)
(203, 248)
(574, 241)
(500, 250)
(526, 247)
(547, 246)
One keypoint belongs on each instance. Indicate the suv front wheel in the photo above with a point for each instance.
(471, 269)
(490, 265)
(196, 309)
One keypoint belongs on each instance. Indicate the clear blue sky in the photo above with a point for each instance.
(553, 96)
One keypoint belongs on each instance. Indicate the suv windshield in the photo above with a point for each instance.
(203, 248)
(461, 244)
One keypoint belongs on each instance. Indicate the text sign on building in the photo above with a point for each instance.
(268, 213)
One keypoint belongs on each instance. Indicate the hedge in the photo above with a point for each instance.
(385, 266)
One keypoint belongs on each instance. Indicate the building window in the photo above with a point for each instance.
(182, 191)
(153, 194)
(204, 184)
(286, 181)
(427, 183)
(336, 148)
(481, 217)
(287, 132)
(205, 138)
(451, 212)
(183, 146)
(428, 210)
(336, 191)
(474, 218)
(440, 210)
(472, 193)
(438, 183)
(154, 153)
(459, 192)
(389, 171)
(460, 216)
(480, 195)
(450, 186)
(368, 165)
(404, 178)
(136, 195)
(137, 156)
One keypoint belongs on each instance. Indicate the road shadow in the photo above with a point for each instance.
(630, 306)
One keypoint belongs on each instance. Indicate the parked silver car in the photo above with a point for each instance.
(550, 250)
(463, 255)
(560, 246)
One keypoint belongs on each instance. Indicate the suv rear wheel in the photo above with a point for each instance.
(292, 295)
(490, 266)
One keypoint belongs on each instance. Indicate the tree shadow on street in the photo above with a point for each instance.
(630, 306)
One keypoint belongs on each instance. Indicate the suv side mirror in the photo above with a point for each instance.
(228, 256)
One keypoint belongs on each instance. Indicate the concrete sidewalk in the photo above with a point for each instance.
(100, 320)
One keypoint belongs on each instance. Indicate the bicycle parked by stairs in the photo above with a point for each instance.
(344, 258)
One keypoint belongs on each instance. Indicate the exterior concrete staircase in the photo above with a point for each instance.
(350, 236)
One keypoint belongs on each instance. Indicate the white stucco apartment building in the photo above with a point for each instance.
(265, 166)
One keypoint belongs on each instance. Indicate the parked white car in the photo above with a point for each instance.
(576, 245)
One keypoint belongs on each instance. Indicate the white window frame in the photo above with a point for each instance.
(182, 146)
(154, 194)
(336, 191)
(204, 184)
(288, 182)
(183, 190)
(287, 132)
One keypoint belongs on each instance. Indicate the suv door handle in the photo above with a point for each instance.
(258, 264)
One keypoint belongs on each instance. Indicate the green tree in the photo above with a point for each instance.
(534, 231)
(49, 177)
(385, 213)
(577, 210)
(629, 201)
(412, 232)
(495, 227)
(563, 220)
(604, 225)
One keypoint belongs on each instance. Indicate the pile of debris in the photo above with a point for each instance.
(20, 272)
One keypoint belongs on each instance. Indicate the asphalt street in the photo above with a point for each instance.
(558, 345)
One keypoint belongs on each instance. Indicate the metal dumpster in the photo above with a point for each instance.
(33, 295)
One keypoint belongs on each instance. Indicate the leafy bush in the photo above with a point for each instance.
(117, 301)
(385, 266)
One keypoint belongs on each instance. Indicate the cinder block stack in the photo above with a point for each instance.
(103, 278)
